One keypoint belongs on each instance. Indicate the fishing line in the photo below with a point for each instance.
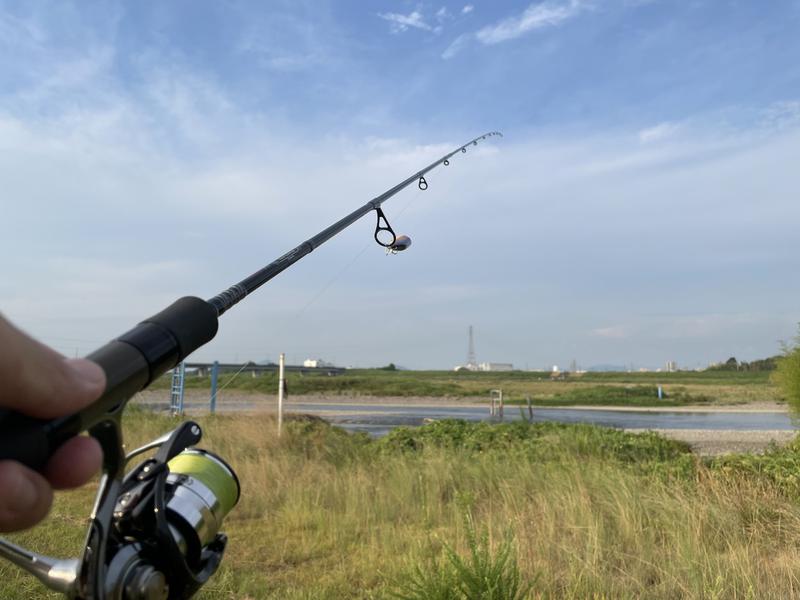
(355, 258)
(227, 383)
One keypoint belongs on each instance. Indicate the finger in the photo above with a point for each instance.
(40, 382)
(74, 463)
(25, 499)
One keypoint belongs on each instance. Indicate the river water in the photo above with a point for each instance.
(378, 419)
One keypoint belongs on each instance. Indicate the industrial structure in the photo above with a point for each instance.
(472, 362)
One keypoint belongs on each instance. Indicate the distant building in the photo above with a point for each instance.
(495, 367)
(671, 366)
(316, 363)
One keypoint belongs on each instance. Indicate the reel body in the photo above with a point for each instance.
(155, 532)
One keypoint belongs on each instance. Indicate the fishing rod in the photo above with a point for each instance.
(154, 533)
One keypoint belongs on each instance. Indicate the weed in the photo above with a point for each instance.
(483, 574)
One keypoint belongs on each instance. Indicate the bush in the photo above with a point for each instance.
(787, 374)
(538, 441)
(778, 467)
(631, 395)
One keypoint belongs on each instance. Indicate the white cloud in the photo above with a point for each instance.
(536, 16)
(658, 132)
(19, 32)
(442, 14)
(399, 22)
(780, 115)
(456, 46)
(248, 206)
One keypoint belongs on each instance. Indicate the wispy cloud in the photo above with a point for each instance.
(400, 23)
(780, 115)
(23, 32)
(456, 46)
(658, 132)
(536, 16)
(616, 332)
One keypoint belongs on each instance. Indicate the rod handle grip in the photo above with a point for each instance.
(130, 363)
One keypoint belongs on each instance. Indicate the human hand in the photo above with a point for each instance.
(39, 382)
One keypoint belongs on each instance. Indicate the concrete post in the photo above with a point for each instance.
(501, 405)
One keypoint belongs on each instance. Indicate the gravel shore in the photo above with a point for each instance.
(714, 442)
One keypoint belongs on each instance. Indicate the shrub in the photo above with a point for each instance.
(787, 373)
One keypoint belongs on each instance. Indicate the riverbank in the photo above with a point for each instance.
(704, 442)
(259, 401)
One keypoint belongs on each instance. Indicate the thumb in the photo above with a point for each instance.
(40, 382)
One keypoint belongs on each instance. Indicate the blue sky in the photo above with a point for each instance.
(641, 208)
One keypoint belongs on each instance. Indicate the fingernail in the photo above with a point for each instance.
(89, 373)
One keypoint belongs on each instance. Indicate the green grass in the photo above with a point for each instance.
(624, 389)
(615, 395)
(569, 511)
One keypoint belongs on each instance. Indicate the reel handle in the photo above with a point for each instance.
(130, 362)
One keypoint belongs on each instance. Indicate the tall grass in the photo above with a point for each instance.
(575, 512)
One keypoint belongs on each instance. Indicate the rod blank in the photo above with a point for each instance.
(234, 294)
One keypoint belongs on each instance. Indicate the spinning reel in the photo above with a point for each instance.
(154, 532)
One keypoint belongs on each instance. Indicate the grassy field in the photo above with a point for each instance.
(638, 389)
(454, 510)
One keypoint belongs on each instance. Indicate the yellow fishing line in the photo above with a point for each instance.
(211, 473)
